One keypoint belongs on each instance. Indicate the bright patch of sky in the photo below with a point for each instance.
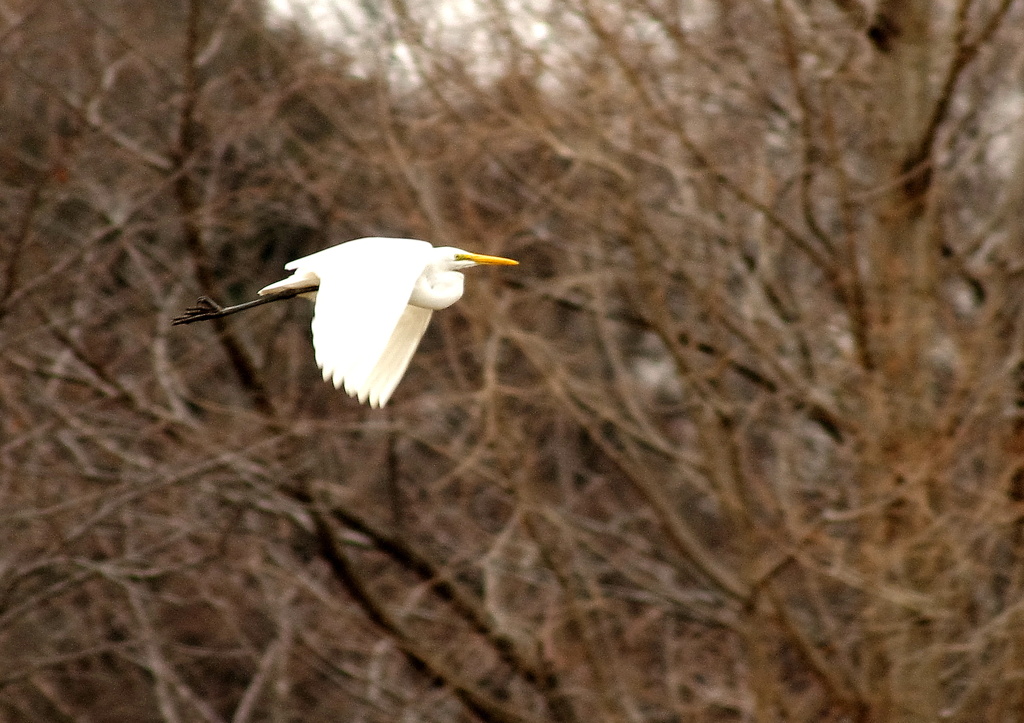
(543, 37)
(322, 16)
(370, 31)
(346, 20)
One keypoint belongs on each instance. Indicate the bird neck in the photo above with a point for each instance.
(438, 290)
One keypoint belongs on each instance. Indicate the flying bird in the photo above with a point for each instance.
(373, 298)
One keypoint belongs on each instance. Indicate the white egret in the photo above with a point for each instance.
(373, 298)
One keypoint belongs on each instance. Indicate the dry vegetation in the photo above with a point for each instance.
(741, 440)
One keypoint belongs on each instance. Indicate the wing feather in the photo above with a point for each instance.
(364, 290)
(391, 366)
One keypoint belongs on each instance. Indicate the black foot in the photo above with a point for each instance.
(204, 308)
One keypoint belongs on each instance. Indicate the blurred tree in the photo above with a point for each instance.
(742, 439)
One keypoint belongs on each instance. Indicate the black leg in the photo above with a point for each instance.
(206, 308)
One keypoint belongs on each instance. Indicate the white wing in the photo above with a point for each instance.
(392, 364)
(364, 290)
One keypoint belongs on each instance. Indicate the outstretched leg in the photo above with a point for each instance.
(206, 308)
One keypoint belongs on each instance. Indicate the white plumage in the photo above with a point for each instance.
(374, 301)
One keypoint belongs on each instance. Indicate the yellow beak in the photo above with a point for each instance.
(481, 259)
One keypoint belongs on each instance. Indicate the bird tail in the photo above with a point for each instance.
(297, 280)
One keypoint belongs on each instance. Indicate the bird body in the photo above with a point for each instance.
(374, 299)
